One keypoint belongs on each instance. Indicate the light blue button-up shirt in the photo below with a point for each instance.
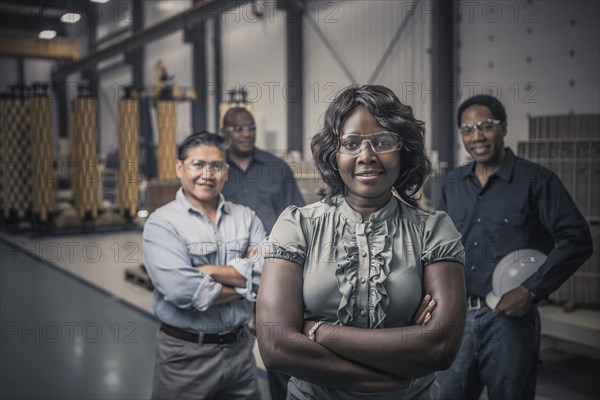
(177, 238)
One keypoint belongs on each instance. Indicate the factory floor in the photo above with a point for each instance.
(73, 328)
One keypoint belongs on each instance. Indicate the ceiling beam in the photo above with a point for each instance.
(21, 47)
(197, 14)
(31, 24)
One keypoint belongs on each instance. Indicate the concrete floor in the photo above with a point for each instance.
(72, 327)
(63, 339)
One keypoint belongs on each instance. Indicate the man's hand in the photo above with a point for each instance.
(423, 314)
(514, 303)
(251, 252)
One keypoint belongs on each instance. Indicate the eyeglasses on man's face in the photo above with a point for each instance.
(241, 128)
(380, 142)
(199, 165)
(484, 127)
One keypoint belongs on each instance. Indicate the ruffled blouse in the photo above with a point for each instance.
(366, 274)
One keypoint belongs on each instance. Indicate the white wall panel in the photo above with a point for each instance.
(111, 89)
(548, 47)
(175, 54)
(253, 53)
(158, 10)
(38, 70)
(8, 72)
(360, 32)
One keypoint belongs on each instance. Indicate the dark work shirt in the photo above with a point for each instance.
(523, 205)
(267, 186)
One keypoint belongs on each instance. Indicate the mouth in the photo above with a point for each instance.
(479, 149)
(206, 184)
(368, 176)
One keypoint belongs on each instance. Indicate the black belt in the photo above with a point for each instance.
(475, 303)
(207, 338)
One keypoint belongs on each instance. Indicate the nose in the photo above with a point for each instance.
(366, 153)
(208, 171)
(477, 134)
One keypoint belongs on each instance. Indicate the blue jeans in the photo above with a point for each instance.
(499, 352)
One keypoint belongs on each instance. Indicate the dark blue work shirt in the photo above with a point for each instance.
(523, 205)
(267, 186)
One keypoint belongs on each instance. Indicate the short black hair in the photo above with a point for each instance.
(233, 111)
(390, 113)
(201, 138)
(494, 105)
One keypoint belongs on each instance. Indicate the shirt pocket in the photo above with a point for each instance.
(203, 253)
(235, 250)
(510, 228)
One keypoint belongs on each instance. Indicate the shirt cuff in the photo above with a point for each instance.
(244, 268)
(207, 293)
(536, 296)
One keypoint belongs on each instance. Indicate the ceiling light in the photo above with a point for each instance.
(70, 18)
(47, 34)
(100, 1)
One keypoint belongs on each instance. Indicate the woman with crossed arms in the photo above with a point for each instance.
(349, 283)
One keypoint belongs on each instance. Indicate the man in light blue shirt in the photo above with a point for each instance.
(202, 254)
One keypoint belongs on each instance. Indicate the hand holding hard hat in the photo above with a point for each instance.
(512, 270)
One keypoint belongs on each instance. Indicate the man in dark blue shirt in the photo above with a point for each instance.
(261, 181)
(257, 179)
(501, 203)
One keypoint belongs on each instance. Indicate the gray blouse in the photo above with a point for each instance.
(367, 274)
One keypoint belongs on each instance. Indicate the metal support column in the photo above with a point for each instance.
(218, 74)
(60, 93)
(196, 36)
(137, 58)
(90, 73)
(294, 48)
(442, 74)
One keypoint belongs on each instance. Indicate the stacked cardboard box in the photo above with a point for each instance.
(569, 145)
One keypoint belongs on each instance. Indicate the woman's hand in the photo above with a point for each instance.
(307, 325)
(422, 348)
(425, 310)
(422, 316)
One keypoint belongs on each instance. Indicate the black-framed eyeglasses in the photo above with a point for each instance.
(241, 128)
(484, 127)
(199, 165)
(381, 142)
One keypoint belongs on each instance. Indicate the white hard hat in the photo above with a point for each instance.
(513, 270)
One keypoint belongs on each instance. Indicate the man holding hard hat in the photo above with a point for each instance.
(503, 204)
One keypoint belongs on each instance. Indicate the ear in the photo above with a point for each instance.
(179, 168)
(504, 130)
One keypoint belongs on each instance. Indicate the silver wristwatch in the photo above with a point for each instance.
(313, 330)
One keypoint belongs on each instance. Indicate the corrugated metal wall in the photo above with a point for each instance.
(534, 56)
(360, 32)
(253, 52)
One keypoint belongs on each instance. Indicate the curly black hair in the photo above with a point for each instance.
(495, 106)
(390, 113)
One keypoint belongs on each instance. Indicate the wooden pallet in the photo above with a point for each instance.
(139, 276)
